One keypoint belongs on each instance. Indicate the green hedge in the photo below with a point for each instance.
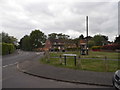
(7, 48)
(96, 47)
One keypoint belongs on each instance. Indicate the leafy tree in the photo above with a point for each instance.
(62, 36)
(25, 43)
(52, 36)
(37, 39)
(88, 37)
(81, 36)
(99, 40)
(58, 36)
(91, 43)
(8, 39)
(117, 40)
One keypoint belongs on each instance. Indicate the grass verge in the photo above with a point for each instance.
(98, 65)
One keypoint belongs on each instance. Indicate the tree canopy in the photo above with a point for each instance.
(7, 39)
(25, 43)
(58, 36)
(117, 40)
(36, 39)
(98, 40)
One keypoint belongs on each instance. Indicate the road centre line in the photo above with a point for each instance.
(9, 65)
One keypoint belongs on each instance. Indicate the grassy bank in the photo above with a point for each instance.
(99, 64)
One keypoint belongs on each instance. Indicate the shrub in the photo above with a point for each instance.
(111, 47)
(96, 48)
(7, 48)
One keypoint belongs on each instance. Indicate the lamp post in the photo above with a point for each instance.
(87, 35)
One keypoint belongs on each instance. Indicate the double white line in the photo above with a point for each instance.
(9, 64)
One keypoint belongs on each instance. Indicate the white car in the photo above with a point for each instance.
(116, 80)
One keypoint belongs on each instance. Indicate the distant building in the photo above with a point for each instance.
(54, 45)
(58, 44)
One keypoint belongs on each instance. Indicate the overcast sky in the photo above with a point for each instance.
(20, 17)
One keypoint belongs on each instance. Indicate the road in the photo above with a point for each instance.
(12, 78)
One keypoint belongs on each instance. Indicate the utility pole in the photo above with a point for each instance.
(87, 35)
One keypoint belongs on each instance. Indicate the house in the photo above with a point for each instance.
(59, 45)
(54, 45)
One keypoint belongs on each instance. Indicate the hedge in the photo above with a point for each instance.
(7, 48)
(96, 48)
(111, 47)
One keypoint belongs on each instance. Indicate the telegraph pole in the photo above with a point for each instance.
(87, 35)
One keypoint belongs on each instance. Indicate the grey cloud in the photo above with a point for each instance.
(59, 17)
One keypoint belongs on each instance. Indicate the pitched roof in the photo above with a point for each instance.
(82, 41)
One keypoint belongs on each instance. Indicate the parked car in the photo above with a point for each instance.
(116, 80)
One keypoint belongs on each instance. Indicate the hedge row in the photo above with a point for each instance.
(7, 48)
(111, 47)
(106, 47)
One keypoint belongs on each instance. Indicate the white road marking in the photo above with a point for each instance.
(9, 65)
(37, 53)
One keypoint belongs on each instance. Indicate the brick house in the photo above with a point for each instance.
(58, 44)
(54, 45)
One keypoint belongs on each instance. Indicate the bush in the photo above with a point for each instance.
(96, 48)
(111, 47)
(7, 48)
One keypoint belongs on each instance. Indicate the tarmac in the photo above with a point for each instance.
(35, 68)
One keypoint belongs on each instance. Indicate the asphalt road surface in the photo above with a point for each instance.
(12, 78)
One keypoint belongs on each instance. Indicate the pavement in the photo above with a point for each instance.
(46, 71)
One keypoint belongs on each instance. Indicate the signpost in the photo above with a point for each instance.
(73, 55)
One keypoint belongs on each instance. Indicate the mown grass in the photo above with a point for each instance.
(98, 65)
(92, 54)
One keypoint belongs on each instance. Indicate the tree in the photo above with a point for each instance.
(58, 36)
(88, 38)
(117, 40)
(37, 39)
(62, 36)
(81, 36)
(25, 43)
(52, 36)
(91, 43)
(8, 39)
(100, 40)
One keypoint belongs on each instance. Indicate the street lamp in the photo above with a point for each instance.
(87, 35)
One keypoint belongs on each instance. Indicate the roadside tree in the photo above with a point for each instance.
(25, 43)
(37, 39)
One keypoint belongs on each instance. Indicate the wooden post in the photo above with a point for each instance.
(106, 67)
(75, 60)
(79, 62)
(65, 60)
(60, 59)
(47, 56)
